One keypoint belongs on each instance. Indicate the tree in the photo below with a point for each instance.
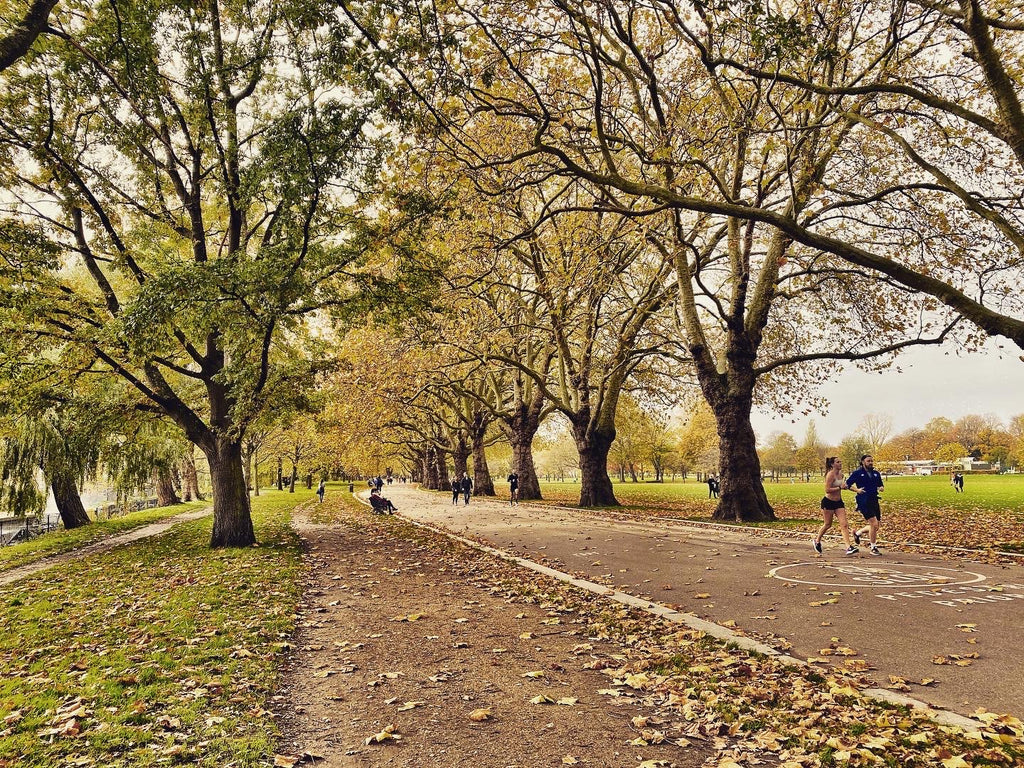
(950, 453)
(682, 144)
(16, 42)
(876, 429)
(779, 453)
(186, 163)
(810, 456)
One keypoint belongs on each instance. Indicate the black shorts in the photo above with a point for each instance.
(869, 508)
(829, 504)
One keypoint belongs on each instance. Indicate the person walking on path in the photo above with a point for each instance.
(832, 504)
(456, 490)
(513, 489)
(867, 482)
(321, 489)
(467, 488)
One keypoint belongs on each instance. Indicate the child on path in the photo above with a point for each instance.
(832, 504)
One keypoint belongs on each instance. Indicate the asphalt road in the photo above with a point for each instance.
(893, 616)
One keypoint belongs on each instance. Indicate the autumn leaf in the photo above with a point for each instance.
(480, 715)
(388, 734)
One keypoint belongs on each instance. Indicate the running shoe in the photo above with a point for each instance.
(852, 550)
(817, 547)
(874, 550)
(856, 538)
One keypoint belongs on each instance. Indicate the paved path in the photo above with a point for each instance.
(96, 547)
(898, 613)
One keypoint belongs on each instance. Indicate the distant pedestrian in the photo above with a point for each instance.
(832, 505)
(456, 490)
(958, 482)
(379, 482)
(467, 488)
(513, 488)
(867, 482)
(712, 482)
(321, 489)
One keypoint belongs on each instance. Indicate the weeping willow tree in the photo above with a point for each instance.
(61, 445)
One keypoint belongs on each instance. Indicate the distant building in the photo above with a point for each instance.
(919, 467)
(971, 464)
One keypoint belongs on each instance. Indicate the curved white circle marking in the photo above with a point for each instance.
(853, 575)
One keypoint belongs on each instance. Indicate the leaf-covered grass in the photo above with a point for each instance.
(60, 541)
(926, 510)
(161, 652)
(338, 493)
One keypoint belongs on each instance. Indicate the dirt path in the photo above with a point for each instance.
(400, 629)
(95, 548)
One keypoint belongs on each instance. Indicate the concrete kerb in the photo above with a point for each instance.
(942, 717)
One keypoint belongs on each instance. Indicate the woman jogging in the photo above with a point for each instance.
(832, 504)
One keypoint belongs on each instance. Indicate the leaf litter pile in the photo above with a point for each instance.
(163, 652)
(416, 651)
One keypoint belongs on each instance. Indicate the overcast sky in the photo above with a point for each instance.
(933, 382)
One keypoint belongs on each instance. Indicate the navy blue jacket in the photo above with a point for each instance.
(870, 481)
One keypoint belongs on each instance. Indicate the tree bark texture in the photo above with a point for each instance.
(443, 482)
(521, 429)
(742, 496)
(483, 484)
(430, 475)
(460, 459)
(593, 445)
(69, 503)
(164, 483)
(232, 520)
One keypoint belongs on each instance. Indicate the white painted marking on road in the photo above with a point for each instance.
(850, 575)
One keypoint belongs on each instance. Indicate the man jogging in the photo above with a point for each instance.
(867, 482)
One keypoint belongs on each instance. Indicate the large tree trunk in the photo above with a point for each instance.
(69, 503)
(483, 485)
(460, 458)
(232, 518)
(742, 495)
(430, 476)
(443, 483)
(164, 482)
(593, 445)
(522, 428)
(188, 466)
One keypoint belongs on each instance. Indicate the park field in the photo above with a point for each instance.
(924, 510)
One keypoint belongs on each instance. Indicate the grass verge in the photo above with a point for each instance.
(159, 653)
(58, 542)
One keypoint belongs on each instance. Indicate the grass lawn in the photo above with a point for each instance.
(989, 513)
(59, 541)
(161, 652)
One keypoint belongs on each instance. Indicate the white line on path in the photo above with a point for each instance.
(725, 634)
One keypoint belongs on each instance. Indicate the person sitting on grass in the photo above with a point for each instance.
(381, 506)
